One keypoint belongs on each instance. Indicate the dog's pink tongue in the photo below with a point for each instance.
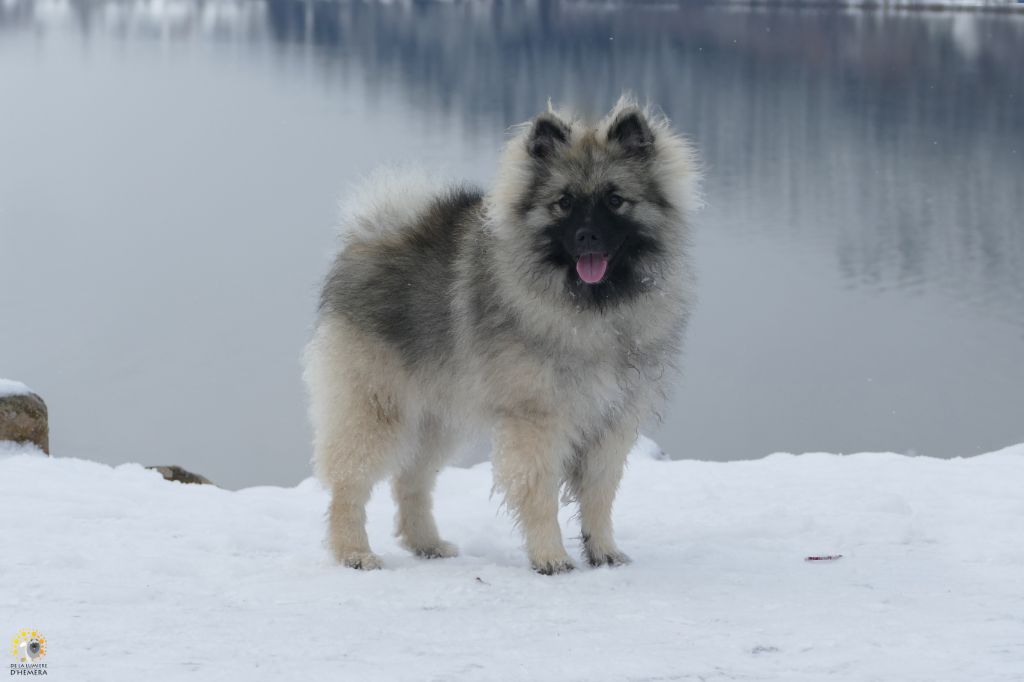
(591, 267)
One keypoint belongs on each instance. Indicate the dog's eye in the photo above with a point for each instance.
(565, 203)
(615, 201)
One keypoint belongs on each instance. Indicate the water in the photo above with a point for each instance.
(169, 174)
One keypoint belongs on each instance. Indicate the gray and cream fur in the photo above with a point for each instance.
(548, 311)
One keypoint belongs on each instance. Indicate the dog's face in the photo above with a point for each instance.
(595, 207)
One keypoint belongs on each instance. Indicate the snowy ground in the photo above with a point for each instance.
(131, 577)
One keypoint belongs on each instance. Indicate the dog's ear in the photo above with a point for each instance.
(547, 133)
(631, 132)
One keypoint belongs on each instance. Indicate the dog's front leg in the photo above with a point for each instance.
(527, 468)
(594, 481)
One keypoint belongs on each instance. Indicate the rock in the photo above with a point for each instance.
(645, 447)
(23, 419)
(176, 473)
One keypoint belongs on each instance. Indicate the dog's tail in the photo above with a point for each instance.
(387, 201)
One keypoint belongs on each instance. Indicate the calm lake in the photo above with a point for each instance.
(170, 172)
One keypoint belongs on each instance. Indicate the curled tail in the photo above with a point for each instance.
(388, 201)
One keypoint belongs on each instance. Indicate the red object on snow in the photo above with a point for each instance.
(826, 557)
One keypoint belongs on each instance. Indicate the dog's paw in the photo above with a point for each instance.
(553, 567)
(607, 558)
(364, 561)
(438, 550)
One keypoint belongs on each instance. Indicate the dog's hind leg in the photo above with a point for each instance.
(593, 481)
(354, 451)
(357, 431)
(413, 488)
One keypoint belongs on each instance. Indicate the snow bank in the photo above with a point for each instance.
(10, 387)
(132, 577)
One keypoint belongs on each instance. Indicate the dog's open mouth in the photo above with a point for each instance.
(591, 267)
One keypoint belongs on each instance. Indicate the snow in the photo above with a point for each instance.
(132, 577)
(10, 387)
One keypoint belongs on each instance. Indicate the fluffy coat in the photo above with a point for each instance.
(449, 310)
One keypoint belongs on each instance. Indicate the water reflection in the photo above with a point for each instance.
(864, 176)
(839, 110)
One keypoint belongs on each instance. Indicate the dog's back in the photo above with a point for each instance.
(396, 284)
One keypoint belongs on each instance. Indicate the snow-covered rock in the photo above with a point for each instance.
(10, 387)
(174, 472)
(23, 415)
(132, 577)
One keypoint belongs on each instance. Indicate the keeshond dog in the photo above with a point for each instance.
(547, 310)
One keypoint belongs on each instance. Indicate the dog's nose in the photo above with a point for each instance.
(588, 240)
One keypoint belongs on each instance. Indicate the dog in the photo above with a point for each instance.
(548, 310)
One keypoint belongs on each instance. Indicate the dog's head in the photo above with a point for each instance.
(594, 213)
